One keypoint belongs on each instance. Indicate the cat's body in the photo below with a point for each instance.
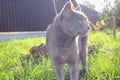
(61, 41)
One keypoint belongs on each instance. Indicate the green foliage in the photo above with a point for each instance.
(112, 8)
(100, 23)
(103, 64)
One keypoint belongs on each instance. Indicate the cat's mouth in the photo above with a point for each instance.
(83, 33)
(80, 33)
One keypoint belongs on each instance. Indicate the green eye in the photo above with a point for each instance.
(85, 22)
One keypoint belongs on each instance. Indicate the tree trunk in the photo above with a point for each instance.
(54, 6)
(114, 26)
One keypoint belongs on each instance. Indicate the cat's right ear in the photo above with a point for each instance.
(66, 11)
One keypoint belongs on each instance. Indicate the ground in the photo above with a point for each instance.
(103, 61)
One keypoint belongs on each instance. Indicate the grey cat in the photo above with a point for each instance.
(62, 43)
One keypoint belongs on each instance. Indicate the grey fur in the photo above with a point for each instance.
(61, 41)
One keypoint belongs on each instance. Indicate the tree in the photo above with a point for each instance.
(92, 6)
(117, 6)
(109, 15)
(89, 5)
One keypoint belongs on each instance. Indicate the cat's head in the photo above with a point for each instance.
(73, 22)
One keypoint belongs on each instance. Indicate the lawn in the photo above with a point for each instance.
(103, 61)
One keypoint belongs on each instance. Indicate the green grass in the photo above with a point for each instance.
(103, 64)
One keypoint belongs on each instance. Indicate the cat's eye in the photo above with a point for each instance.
(83, 22)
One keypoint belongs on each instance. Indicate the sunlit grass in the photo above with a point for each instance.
(105, 64)
(102, 65)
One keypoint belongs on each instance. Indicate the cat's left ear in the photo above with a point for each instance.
(66, 12)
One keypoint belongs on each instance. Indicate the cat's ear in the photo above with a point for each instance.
(66, 11)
